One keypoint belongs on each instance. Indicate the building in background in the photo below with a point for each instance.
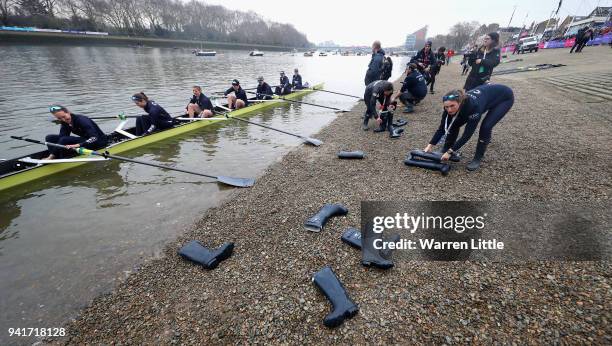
(416, 40)
(596, 19)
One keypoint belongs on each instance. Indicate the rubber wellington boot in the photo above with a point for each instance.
(196, 252)
(481, 147)
(357, 154)
(364, 126)
(316, 223)
(370, 256)
(409, 109)
(342, 306)
(352, 237)
(434, 166)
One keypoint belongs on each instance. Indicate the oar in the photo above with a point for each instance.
(337, 93)
(302, 102)
(118, 116)
(238, 182)
(308, 140)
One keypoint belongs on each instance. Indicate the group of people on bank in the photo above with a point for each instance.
(78, 130)
(478, 102)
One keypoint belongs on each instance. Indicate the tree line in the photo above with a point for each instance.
(462, 34)
(193, 20)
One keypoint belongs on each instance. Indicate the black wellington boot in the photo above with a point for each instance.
(481, 147)
(316, 223)
(209, 259)
(352, 237)
(342, 306)
(366, 119)
(370, 256)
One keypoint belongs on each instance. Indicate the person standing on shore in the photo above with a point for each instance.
(435, 68)
(578, 39)
(484, 61)
(375, 67)
(466, 109)
(199, 104)
(423, 59)
(89, 134)
(588, 35)
(380, 92)
(156, 118)
(236, 96)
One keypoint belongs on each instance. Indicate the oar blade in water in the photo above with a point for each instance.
(237, 182)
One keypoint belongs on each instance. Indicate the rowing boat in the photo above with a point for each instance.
(28, 168)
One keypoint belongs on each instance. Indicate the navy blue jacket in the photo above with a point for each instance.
(482, 71)
(375, 67)
(425, 59)
(203, 102)
(264, 91)
(478, 101)
(83, 127)
(240, 94)
(415, 84)
(296, 82)
(284, 82)
(160, 119)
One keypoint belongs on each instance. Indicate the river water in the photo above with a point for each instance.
(66, 238)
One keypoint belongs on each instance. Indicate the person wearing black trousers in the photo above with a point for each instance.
(466, 109)
(483, 62)
(87, 133)
(380, 92)
(156, 118)
(435, 68)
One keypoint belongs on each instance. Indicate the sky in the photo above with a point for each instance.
(361, 22)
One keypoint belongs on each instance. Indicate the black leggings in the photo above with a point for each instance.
(432, 81)
(67, 140)
(496, 113)
(143, 123)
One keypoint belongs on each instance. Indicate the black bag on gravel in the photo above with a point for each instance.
(196, 252)
(316, 223)
(357, 154)
(342, 305)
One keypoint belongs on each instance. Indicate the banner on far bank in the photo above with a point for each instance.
(489, 231)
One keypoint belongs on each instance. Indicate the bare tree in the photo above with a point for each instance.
(6, 8)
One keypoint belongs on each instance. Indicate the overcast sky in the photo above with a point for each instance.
(361, 22)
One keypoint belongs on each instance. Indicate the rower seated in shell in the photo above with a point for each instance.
(264, 91)
(236, 96)
(199, 105)
(284, 86)
(156, 118)
(88, 134)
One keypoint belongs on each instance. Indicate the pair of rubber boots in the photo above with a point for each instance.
(387, 125)
(370, 256)
(432, 161)
(196, 252)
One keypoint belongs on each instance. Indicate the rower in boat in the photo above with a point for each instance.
(89, 134)
(236, 96)
(156, 118)
(199, 104)
(284, 87)
(296, 81)
(263, 90)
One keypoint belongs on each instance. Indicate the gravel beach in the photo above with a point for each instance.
(553, 145)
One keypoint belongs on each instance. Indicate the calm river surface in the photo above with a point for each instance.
(69, 237)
